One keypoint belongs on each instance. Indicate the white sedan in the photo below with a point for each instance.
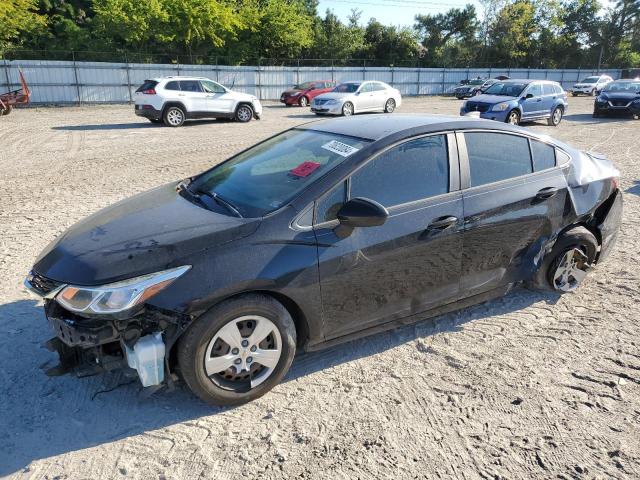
(356, 97)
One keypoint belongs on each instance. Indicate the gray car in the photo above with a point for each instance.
(349, 98)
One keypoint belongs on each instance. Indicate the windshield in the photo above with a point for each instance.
(591, 80)
(270, 174)
(476, 82)
(347, 88)
(630, 87)
(303, 86)
(506, 89)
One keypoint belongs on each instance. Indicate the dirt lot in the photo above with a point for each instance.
(528, 386)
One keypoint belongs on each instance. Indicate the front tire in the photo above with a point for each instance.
(244, 113)
(513, 117)
(555, 118)
(174, 117)
(574, 94)
(566, 266)
(390, 106)
(238, 350)
(303, 102)
(593, 92)
(6, 110)
(347, 109)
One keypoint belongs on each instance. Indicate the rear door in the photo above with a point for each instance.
(549, 98)
(365, 98)
(413, 261)
(533, 106)
(192, 96)
(513, 203)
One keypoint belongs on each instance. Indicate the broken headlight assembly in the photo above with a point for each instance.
(117, 297)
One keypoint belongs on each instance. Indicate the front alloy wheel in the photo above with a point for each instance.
(347, 109)
(244, 113)
(304, 101)
(513, 118)
(238, 350)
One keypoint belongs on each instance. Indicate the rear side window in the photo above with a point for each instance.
(496, 156)
(328, 206)
(544, 156)
(547, 89)
(147, 85)
(411, 171)
(190, 86)
(172, 86)
(558, 89)
(378, 87)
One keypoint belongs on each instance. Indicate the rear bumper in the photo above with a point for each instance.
(147, 111)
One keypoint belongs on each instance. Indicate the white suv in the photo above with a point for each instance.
(591, 85)
(173, 100)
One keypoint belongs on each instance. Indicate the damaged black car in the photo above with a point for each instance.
(325, 232)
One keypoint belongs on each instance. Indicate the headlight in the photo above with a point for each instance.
(119, 296)
(501, 107)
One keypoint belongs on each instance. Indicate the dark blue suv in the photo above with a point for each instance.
(515, 101)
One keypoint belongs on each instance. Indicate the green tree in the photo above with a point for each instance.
(390, 45)
(18, 18)
(514, 35)
(334, 39)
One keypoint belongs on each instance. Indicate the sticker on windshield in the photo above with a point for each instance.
(340, 148)
(304, 169)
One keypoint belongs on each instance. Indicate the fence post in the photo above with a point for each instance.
(444, 69)
(418, 86)
(75, 74)
(6, 72)
(217, 71)
(364, 69)
(392, 74)
(126, 59)
(298, 73)
(258, 80)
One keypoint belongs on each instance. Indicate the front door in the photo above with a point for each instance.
(513, 205)
(217, 99)
(533, 106)
(413, 261)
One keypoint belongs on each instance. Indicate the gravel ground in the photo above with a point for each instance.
(528, 386)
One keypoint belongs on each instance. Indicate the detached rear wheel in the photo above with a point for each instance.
(566, 266)
(238, 351)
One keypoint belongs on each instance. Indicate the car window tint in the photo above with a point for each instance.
(544, 156)
(535, 90)
(412, 171)
(212, 87)
(190, 86)
(327, 207)
(496, 156)
(172, 86)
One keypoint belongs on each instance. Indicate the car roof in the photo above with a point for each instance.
(178, 77)
(627, 80)
(376, 127)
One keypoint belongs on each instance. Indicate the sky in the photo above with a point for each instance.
(397, 12)
(391, 12)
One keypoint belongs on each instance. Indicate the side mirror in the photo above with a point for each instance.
(360, 212)
(529, 95)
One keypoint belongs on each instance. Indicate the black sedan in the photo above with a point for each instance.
(325, 232)
(618, 97)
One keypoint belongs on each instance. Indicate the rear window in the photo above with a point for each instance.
(544, 156)
(497, 156)
(147, 85)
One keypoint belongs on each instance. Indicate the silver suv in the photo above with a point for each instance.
(173, 100)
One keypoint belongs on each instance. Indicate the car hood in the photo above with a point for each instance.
(291, 91)
(243, 96)
(143, 234)
(493, 99)
(334, 96)
(620, 95)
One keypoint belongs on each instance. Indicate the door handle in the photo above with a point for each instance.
(443, 222)
(546, 193)
(181, 94)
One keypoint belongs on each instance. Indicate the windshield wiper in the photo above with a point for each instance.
(221, 201)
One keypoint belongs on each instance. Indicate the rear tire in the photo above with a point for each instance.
(577, 238)
(390, 106)
(244, 113)
(593, 92)
(555, 118)
(203, 348)
(6, 110)
(174, 116)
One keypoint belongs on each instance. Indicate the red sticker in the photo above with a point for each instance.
(305, 169)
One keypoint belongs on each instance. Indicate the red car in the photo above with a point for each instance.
(305, 92)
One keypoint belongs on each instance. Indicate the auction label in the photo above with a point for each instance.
(340, 148)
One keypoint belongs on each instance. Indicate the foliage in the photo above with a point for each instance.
(507, 33)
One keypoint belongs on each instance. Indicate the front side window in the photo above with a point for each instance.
(327, 207)
(544, 156)
(267, 176)
(212, 87)
(190, 86)
(496, 156)
(412, 171)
